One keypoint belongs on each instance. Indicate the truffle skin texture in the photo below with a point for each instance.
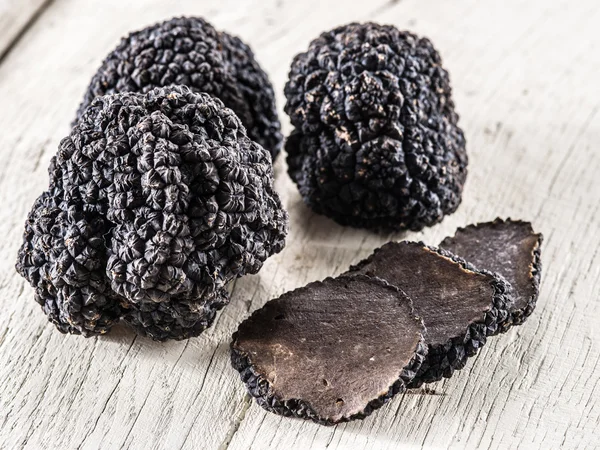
(376, 142)
(281, 331)
(189, 51)
(177, 319)
(423, 272)
(510, 248)
(63, 257)
(156, 201)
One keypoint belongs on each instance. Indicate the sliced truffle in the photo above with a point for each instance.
(376, 141)
(332, 351)
(189, 51)
(460, 305)
(510, 248)
(156, 201)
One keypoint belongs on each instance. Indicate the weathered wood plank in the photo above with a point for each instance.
(16, 16)
(524, 76)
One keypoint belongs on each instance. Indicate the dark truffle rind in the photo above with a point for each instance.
(376, 142)
(175, 320)
(443, 359)
(504, 247)
(63, 259)
(261, 389)
(156, 201)
(189, 51)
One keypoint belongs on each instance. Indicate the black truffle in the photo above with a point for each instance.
(176, 319)
(156, 201)
(460, 305)
(189, 51)
(376, 142)
(510, 248)
(332, 351)
(63, 256)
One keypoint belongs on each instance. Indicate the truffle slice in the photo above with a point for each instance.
(510, 248)
(460, 305)
(332, 351)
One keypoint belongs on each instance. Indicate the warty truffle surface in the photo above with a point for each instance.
(189, 51)
(376, 141)
(156, 201)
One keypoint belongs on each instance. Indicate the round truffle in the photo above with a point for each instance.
(376, 142)
(332, 351)
(156, 201)
(189, 51)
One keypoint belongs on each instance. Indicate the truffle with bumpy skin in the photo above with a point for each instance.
(189, 51)
(63, 257)
(510, 248)
(332, 351)
(156, 201)
(178, 318)
(460, 305)
(376, 142)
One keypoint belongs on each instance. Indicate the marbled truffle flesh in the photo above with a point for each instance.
(331, 351)
(460, 305)
(510, 248)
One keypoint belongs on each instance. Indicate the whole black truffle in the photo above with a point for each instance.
(376, 142)
(460, 305)
(156, 201)
(332, 351)
(189, 51)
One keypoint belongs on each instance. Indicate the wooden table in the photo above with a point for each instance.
(525, 75)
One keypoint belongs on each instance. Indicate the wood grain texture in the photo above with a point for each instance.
(525, 79)
(16, 17)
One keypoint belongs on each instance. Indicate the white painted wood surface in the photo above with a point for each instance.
(16, 16)
(525, 75)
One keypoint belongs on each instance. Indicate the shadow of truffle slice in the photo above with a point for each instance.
(509, 248)
(460, 305)
(332, 351)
